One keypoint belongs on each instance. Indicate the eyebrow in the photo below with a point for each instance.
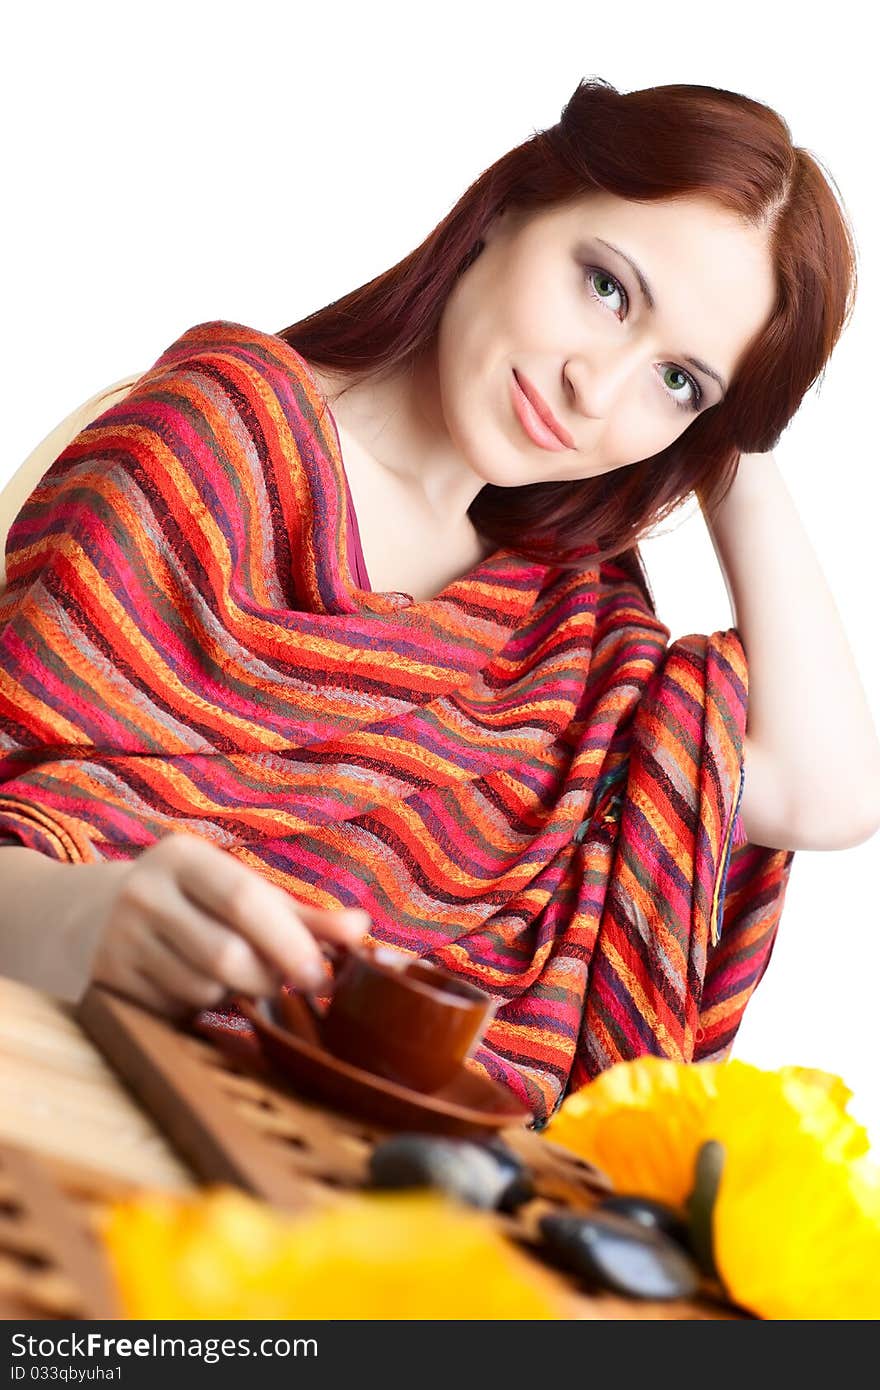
(651, 303)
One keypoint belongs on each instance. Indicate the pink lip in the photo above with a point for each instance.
(539, 423)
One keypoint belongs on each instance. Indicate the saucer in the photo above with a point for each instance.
(468, 1106)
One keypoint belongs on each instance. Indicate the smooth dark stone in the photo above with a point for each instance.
(470, 1172)
(656, 1216)
(521, 1185)
(615, 1252)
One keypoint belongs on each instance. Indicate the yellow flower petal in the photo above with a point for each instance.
(796, 1227)
(222, 1254)
(825, 1113)
(797, 1224)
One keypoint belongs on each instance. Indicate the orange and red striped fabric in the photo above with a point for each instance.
(521, 779)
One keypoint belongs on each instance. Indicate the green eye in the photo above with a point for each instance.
(595, 275)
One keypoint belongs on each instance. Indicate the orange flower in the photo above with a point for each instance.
(642, 1123)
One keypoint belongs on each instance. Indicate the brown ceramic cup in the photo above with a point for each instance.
(400, 1017)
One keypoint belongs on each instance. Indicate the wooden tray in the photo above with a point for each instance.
(234, 1120)
(60, 1097)
(51, 1261)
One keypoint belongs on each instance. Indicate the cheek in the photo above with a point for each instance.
(466, 378)
(467, 331)
(639, 432)
(541, 318)
(647, 428)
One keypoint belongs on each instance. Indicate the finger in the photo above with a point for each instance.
(279, 927)
(135, 985)
(195, 871)
(208, 947)
(146, 991)
(172, 974)
(347, 925)
(153, 903)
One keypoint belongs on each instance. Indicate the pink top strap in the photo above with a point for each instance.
(356, 561)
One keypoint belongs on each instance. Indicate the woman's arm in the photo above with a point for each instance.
(177, 928)
(43, 941)
(809, 728)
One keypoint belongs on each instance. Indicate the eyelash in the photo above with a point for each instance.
(693, 405)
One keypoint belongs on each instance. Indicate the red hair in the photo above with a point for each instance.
(661, 142)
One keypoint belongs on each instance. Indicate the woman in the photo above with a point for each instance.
(224, 723)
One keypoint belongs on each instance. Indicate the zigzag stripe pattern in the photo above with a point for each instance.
(521, 779)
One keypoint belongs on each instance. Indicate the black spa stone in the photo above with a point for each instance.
(478, 1174)
(520, 1186)
(656, 1216)
(615, 1252)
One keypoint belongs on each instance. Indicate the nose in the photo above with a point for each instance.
(598, 384)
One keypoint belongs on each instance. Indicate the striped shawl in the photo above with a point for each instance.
(521, 779)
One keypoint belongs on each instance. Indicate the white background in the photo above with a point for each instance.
(167, 164)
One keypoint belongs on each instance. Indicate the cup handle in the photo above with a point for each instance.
(337, 953)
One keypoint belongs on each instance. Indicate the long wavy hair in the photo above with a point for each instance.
(661, 142)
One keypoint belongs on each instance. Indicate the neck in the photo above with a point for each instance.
(397, 420)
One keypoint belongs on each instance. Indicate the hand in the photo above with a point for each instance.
(186, 923)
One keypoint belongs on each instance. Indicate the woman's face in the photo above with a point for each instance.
(548, 301)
